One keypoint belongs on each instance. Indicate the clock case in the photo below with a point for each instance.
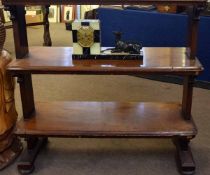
(86, 36)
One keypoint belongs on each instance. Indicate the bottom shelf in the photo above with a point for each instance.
(106, 119)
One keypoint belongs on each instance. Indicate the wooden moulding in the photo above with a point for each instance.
(106, 119)
(103, 2)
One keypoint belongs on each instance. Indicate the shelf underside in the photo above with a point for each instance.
(106, 119)
(103, 2)
(58, 60)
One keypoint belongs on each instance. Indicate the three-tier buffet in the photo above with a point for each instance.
(104, 119)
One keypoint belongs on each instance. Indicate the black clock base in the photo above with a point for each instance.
(110, 56)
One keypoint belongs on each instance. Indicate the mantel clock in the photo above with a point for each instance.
(86, 37)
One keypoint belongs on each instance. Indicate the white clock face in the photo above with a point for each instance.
(85, 36)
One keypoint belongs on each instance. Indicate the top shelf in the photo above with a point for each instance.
(104, 2)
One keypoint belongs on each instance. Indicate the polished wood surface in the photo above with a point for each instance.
(106, 119)
(101, 2)
(59, 60)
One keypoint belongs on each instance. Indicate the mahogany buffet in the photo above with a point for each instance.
(104, 119)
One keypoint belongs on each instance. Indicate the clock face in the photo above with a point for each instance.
(85, 36)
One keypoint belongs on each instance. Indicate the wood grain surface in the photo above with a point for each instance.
(47, 60)
(106, 119)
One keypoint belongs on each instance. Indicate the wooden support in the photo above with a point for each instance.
(47, 38)
(21, 50)
(26, 163)
(184, 157)
(34, 144)
(19, 30)
(193, 21)
(27, 96)
(187, 96)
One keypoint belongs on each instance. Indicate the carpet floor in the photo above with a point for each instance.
(111, 156)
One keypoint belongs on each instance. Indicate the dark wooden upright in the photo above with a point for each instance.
(19, 32)
(90, 119)
(21, 50)
(193, 13)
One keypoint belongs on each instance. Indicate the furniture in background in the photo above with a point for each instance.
(155, 29)
(104, 119)
(47, 38)
(45, 23)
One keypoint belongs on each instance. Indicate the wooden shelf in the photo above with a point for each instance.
(103, 2)
(162, 60)
(106, 119)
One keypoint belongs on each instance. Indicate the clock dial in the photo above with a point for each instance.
(85, 36)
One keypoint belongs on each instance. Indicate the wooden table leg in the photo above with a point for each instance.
(184, 157)
(185, 160)
(187, 96)
(34, 143)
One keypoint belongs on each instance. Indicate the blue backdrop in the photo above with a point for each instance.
(155, 29)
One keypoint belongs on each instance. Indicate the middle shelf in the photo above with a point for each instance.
(58, 60)
(106, 119)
